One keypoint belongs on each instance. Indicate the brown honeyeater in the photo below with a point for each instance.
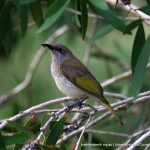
(73, 79)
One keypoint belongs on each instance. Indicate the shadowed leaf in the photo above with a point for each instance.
(55, 132)
(137, 46)
(20, 128)
(140, 67)
(2, 142)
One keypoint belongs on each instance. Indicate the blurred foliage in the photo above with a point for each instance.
(25, 24)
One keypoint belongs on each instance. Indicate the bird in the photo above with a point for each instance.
(74, 79)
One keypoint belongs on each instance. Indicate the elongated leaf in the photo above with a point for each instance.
(24, 2)
(24, 19)
(108, 15)
(37, 13)
(84, 17)
(55, 132)
(16, 139)
(137, 46)
(18, 146)
(78, 16)
(145, 9)
(2, 142)
(148, 2)
(131, 26)
(20, 128)
(4, 20)
(53, 14)
(101, 33)
(56, 6)
(140, 67)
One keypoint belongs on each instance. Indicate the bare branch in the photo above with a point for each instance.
(101, 18)
(132, 9)
(108, 133)
(82, 132)
(127, 102)
(32, 68)
(32, 109)
(120, 77)
(137, 142)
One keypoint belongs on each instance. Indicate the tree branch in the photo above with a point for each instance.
(137, 142)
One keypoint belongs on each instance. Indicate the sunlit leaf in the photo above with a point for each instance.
(53, 14)
(137, 46)
(101, 33)
(140, 67)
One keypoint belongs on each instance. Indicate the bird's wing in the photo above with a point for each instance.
(80, 76)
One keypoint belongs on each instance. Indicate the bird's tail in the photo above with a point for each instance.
(108, 106)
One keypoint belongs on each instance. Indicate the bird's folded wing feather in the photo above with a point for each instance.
(80, 76)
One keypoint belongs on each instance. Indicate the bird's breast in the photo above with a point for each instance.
(64, 85)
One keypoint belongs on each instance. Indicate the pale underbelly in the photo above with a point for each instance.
(67, 88)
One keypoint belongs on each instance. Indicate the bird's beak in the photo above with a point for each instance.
(48, 46)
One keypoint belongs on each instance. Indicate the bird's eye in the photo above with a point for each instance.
(61, 51)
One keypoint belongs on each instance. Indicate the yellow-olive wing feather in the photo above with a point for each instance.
(79, 75)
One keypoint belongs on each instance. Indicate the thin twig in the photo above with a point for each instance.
(82, 132)
(32, 109)
(101, 18)
(132, 9)
(137, 142)
(108, 133)
(117, 78)
(105, 115)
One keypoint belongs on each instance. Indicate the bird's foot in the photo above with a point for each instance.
(77, 102)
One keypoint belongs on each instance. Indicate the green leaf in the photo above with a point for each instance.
(30, 125)
(101, 33)
(84, 17)
(107, 15)
(25, 2)
(18, 146)
(5, 12)
(100, 4)
(53, 13)
(140, 67)
(131, 26)
(55, 132)
(16, 139)
(148, 2)
(145, 9)
(24, 19)
(2, 142)
(137, 46)
(20, 128)
(78, 16)
(37, 13)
